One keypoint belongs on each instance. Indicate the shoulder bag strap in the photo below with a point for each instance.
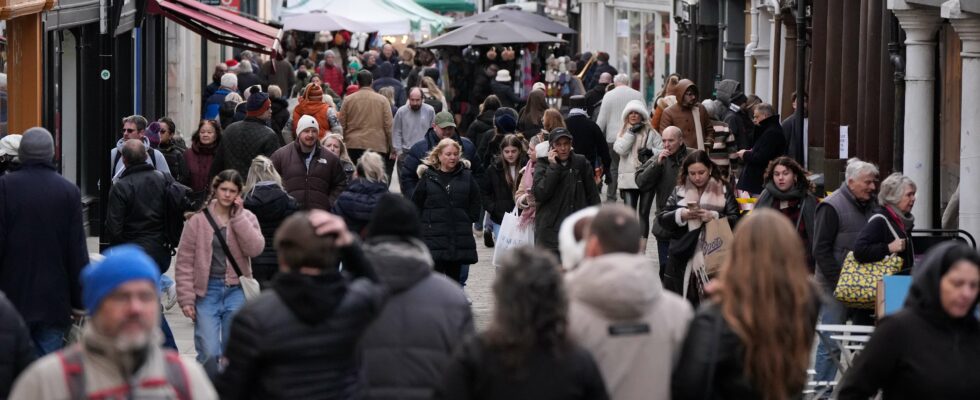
(71, 366)
(221, 240)
(697, 126)
(888, 224)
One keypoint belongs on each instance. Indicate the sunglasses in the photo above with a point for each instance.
(129, 130)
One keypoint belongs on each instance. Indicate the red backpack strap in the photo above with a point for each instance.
(71, 367)
(177, 375)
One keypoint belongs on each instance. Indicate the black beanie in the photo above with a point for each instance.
(394, 216)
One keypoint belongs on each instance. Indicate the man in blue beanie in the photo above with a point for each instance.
(119, 351)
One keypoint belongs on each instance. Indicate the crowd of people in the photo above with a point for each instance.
(306, 277)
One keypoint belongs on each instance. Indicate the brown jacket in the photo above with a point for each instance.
(366, 118)
(683, 117)
(315, 187)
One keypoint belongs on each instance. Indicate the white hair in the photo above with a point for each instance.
(856, 168)
(244, 67)
(893, 187)
(621, 79)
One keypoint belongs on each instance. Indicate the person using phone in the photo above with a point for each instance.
(208, 289)
(562, 185)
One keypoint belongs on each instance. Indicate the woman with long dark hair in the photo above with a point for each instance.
(529, 121)
(502, 179)
(208, 289)
(265, 197)
(786, 189)
(526, 352)
(701, 196)
(200, 156)
(753, 340)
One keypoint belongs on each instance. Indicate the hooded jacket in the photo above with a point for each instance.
(408, 176)
(280, 114)
(683, 117)
(448, 203)
(271, 205)
(154, 158)
(920, 352)
(406, 349)
(610, 114)
(738, 121)
(299, 340)
(357, 202)
(628, 144)
(314, 108)
(637, 327)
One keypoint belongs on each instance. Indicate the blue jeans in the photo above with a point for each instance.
(47, 337)
(214, 313)
(168, 335)
(832, 312)
(464, 273)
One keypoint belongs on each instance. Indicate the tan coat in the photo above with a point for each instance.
(635, 332)
(102, 366)
(366, 118)
(683, 117)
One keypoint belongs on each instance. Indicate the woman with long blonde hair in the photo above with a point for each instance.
(430, 90)
(266, 198)
(448, 199)
(753, 340)
(335, 144)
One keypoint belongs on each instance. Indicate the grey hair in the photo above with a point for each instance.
(371, 167)
(276, 91)
(137, 120)
(329, 53)
(244, 66)
(856, 168)
(234, 96)
(893, 188)
(621, 79)
(766, 109)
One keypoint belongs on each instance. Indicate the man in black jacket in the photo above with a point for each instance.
(587, 138)
(300, 340)
(770, 144)
(562, 185)
(796, 141)
(739, 122)
(15, 341)
(244, 140)
(42, 243)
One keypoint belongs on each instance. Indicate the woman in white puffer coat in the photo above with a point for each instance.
(636, 142)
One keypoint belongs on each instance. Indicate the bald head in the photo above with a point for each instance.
(673, 139)
(133, 152)
(615, 229)
(605, 78)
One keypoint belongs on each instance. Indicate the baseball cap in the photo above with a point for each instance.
(444, 119)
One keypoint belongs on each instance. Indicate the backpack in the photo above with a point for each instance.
(149, 153)
(74, 371)
(176, 202)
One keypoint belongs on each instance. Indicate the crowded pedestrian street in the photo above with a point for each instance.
(489, 199)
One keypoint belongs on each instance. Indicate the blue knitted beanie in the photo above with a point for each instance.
(122, 264)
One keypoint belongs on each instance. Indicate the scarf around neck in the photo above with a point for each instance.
(797, 192)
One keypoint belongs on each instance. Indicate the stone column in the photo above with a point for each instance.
(920, 27)
(967, 25)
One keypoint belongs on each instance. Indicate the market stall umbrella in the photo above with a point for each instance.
(539, 22)
(492, 31)
(321, 21)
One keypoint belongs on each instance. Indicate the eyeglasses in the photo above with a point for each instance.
(129, 130)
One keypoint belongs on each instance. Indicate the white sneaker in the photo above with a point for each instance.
(170, 297)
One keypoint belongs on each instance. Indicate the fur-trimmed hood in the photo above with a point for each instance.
(424, 167)
(638, 107)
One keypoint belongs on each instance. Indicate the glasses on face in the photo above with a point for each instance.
(126, 130)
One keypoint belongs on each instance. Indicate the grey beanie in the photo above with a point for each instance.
(36, 145)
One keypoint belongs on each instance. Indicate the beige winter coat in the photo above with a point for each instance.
(635, 329)
(103, 365)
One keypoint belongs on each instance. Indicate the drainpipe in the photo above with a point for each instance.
(777, 45)
(749, 82)
(898, 62)
(801, 65)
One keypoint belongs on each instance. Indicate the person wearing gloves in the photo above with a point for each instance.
(930, 349)
(635, 143)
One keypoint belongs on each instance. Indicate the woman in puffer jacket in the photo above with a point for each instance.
(266, 198)
(448, 199)
(636, 142)
(358, 200)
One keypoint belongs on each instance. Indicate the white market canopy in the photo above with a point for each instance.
(387, 17)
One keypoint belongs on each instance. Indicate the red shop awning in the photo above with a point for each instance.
(219, 26)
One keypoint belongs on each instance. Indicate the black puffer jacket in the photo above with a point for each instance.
(482, 124)
(280, 114)
(299, 341)
(560, 190)
(505, 92)
(15, 340)
(271, 205)
(771, 143)
(408, 346)
(357, 202)
(449, 203)
(498, 196)
(135, 210)
(921, 352)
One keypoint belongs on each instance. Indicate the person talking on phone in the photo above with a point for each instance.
(563, 184)
(882, 237)
(208, 289)
(701, 195)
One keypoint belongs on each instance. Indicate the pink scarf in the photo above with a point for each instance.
(527, 216)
